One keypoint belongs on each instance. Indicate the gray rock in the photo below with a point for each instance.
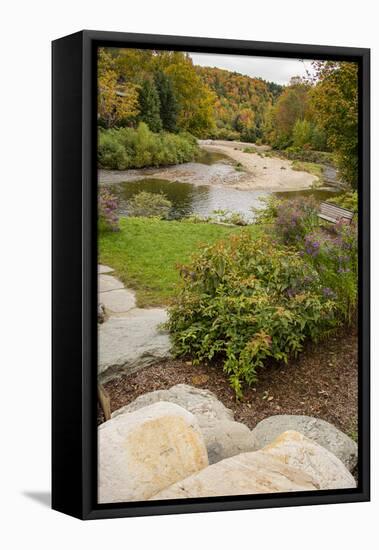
(100, 313)
(120, 300)
(317, 430)
(104, 269)
(108, 282)
(225, 438)
(143, 452)
(195, 400)
(132, 342)
(222, 435)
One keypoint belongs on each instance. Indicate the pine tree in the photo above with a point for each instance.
(150, 106)
(168, 103)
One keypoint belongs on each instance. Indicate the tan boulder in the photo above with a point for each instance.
(245, 474)
(291, 463)
(326, 470)
(142, 452)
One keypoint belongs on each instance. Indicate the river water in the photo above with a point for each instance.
(202, 200)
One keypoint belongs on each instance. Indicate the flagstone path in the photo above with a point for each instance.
(130, 338)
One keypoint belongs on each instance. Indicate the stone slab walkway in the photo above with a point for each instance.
(130, 338)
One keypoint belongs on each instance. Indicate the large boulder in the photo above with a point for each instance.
(326, 470)
(201, 403)
(317, 430)
(141, 453)
(132, 342)
(290, 463)
(222, 435)
(245, 474)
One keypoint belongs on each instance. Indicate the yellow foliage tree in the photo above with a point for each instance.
(116, 101)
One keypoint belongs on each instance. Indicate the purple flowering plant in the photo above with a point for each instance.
(331, 250)
(335, 257)
(295, 218)
(108, 219)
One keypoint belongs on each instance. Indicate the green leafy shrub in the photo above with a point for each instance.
(122, 148)
(149, 205)
(268, 211)
(245, 300)
(307, 155)
(226, 134)
(107, 211)
(347, 200)
(250, 150)
(228, 216)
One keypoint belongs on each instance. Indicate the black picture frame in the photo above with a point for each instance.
(74, 272)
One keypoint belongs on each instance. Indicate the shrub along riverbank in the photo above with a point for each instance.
(123, 148)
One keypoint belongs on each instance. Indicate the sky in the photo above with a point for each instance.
(273, 69)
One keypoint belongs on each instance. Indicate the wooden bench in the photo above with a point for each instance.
(333, 213)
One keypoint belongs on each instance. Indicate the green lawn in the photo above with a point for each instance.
(145, 252)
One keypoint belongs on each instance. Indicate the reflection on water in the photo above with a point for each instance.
(212, 157)
(202, 200)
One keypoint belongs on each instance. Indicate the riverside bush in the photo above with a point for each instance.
(307, 155)
(348, 200)
(244, 300)
(149, 205)
(122, 148)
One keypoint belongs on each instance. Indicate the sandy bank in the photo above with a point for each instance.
(256, 173)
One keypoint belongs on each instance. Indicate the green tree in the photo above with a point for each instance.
(196, 101)
(168, 103)
(301, 133)
(150, 106)
(318, 140)
(334, 100)
(291, 106)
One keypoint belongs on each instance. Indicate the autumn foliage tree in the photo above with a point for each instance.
(117, 101)
(334, 101)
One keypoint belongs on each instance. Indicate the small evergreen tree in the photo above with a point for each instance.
(168, 102)
(150, 106)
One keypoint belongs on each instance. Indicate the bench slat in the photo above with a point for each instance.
(333, 213)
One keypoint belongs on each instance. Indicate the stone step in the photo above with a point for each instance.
(132, 342)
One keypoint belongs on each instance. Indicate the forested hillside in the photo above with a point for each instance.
(150, 94)
(241, 104)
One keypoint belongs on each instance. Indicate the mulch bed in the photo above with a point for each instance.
(322, 382)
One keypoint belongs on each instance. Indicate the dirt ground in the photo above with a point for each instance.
(261, 172)
(322, 382)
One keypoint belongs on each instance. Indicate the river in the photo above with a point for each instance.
(201, 199)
